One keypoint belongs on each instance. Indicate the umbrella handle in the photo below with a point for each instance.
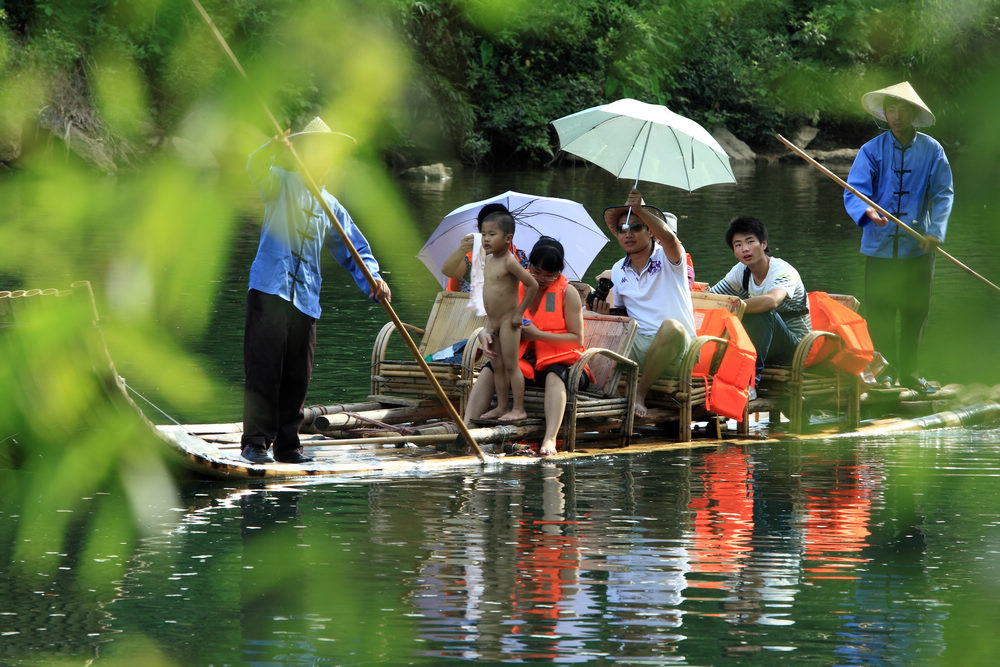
(642, 158)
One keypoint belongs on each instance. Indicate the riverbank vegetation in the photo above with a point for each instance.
(484, 79)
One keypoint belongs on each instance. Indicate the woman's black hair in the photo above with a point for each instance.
(746, 224)
(548, 255)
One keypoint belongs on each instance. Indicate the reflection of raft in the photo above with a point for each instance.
(386, 435)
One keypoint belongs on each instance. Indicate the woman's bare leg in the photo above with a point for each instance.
(480, 395)
(555, 408)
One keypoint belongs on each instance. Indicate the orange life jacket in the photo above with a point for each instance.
(455, 285)
(726, 393)
(549, 317)
(854, 349)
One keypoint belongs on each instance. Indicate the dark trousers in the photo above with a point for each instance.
(898, 288)
(770, 335)
(279, 343)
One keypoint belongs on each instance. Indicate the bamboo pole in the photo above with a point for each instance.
(902, 225)
(312, 412)
(486, 435)
(346, 420)
(315, 191)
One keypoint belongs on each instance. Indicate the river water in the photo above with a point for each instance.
(869, 551)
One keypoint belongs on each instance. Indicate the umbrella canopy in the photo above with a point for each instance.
(648, 142)
(562, 219)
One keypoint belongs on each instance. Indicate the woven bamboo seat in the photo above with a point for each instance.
(681, 397)
(450, 321)
(797, 390)
(601, 407)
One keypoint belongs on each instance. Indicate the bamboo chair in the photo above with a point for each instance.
(450, 321)
(601, 407)
(797, 390)
(681, 397)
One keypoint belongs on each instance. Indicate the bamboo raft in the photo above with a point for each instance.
(214, 450)
(386, 435)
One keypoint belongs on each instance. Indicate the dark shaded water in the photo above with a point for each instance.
(837, 552)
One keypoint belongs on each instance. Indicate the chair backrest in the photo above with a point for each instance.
(613, 333)
(450, 321)
(583, 288)
(847, 300)
(708, 300)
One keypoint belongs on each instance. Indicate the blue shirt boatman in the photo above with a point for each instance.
(283, 299)
(907, 173)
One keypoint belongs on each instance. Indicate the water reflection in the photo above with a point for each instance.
(815, 549)
(835, 520)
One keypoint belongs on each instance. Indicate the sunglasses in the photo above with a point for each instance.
(634, 227)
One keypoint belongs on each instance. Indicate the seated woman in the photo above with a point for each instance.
(551, 341)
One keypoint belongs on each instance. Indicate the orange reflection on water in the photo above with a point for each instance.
(723, 516)
(835, 521)
(548, 562)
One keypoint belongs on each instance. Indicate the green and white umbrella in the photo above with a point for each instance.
(645, 142)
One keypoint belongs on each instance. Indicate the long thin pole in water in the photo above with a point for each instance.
(902, 225)
(315, 192)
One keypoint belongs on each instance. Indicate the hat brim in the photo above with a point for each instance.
(332, 134)
(875, 101)
(613, 213)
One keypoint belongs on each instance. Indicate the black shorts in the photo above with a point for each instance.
(561, 371)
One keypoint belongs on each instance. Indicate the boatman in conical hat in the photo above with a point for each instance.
(283, 298)
(907, 173)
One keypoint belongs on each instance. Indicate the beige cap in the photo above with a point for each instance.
(875, 100)
(317, 126)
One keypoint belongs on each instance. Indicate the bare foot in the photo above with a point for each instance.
(548, 448)
(640, 410)
(513, 416)
(494, 413)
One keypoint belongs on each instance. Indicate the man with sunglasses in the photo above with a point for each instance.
(651, 283)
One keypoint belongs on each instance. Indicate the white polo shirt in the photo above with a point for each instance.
(656, 292)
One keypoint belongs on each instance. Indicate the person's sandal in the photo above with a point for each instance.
(883, 382)
(920, 385)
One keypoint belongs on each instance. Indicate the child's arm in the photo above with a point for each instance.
(530, 288)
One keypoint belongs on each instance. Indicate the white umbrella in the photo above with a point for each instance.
(535, 216)
(648, 142)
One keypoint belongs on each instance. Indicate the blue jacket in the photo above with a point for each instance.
(292, 237)
(912, 182)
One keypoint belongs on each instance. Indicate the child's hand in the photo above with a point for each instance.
(517, 321)
(486, 340)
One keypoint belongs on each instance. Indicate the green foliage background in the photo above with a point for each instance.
(488, 77)
(123, 126)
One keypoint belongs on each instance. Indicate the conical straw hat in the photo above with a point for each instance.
(874, 101)
(315, 127)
